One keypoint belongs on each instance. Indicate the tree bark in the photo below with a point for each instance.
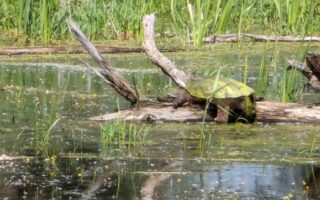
(116, 80)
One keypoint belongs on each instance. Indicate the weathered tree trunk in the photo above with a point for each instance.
(114, 77)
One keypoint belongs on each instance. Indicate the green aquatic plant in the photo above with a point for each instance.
(274, 81)
(122, 133)
(264, 71)
(292, 85)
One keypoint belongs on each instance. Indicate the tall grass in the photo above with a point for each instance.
(295, 15)
(264, 72)
(42, 20)
(274, 81)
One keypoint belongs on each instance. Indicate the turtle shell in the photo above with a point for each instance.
(218, 88)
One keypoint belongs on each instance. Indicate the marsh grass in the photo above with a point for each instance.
(42, 21)
(274, 81)
(123, 135)
(264, 72)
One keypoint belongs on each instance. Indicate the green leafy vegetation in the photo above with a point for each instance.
(42, 21)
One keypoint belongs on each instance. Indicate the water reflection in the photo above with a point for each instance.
(156, 179)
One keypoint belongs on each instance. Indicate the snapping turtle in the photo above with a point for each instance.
(230, 100)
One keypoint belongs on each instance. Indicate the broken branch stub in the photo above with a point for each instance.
(117, 81)
(313, 62)
(149, 45)
(311, 71)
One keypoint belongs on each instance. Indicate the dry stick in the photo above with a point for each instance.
(178, 76)
(120, 84)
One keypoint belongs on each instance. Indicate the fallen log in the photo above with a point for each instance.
(154, 111)
(157, 112)
(257, 38)
(267, 112)
(75, 49)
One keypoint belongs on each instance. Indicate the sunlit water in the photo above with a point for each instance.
(174, 161)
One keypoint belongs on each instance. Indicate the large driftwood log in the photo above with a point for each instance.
(157, 112)
(257, 38)
(267, 112)
(116, 80)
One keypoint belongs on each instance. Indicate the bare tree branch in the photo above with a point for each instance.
(178, 76)
(119, 83)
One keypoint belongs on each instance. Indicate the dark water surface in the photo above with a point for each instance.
(48, 148)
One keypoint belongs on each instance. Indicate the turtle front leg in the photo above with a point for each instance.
(181, 99)
(222, 114)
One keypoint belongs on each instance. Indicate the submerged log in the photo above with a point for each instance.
(65, 49)
(257, 38)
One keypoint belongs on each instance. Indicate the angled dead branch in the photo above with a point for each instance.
(119, 83)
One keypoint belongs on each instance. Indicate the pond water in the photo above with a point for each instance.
(49, 149)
